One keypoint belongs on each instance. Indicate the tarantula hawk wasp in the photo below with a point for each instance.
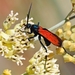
(48, 36)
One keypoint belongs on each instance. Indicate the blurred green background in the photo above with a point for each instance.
(48, 13)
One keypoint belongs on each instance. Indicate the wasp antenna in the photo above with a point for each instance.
(28, 13)
(38, 23)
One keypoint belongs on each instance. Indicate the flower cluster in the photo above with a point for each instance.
(67, 34)
(14, 41)
(43, 63)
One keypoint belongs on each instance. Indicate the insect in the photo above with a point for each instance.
(48, 36)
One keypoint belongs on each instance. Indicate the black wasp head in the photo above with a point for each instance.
(28, 26)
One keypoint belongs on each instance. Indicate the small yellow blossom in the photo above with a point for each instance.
(73, 28)
(59, 32)
(67, 34)
(69, 58)
(67, 44)
(60, 50)
(67, 26)
(72, 47)
(6, 72)
(73, 36)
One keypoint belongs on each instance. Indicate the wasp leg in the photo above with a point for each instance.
(32, 37)
(39, 37)
(66, 51)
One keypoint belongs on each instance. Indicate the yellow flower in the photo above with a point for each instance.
(60, 50)
(7, 72)
(69, 58)
(67, 26)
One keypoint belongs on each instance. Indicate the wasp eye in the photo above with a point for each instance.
(29, 25)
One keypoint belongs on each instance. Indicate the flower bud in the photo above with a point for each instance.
(72, 47)
(60, 50)
(67, 34)
(73, 36)
(66, 44)
(59, 32)
(67, 26)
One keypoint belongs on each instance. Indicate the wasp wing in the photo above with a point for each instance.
(47, 42)
(50, 37)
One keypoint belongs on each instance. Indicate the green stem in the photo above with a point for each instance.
(57, 25)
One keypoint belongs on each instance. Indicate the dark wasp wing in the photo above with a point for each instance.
(47, 42)
(49, 37)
